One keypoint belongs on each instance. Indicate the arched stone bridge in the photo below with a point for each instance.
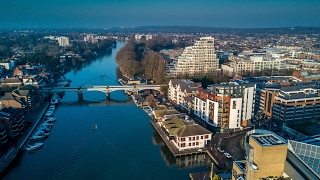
(105, 89)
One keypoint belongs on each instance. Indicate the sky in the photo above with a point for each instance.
(116, 13)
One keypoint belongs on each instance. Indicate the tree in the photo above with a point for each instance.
(215, 177)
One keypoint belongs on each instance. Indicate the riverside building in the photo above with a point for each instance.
(195, 60)
(227, 106)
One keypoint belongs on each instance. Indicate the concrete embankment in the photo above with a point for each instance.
(35, 117)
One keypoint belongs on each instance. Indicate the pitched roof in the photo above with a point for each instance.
(7, 96)
(192, 130)
(11, 80)
(173, 125)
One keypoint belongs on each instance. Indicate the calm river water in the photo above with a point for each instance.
(124, 146)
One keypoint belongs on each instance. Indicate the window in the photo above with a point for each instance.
(193, 144)
(189, 138)
(234, 104)
(206, 136)
(197, 143)
(201, 137)
(183, 139)
(183, 144)
(189, 144)
(197, 137)
(194, 138)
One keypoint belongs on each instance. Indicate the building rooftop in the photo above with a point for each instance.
(307, 150)
(267, 140)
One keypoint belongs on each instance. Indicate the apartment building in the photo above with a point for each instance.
(195, 60)
(181, 91)
(227, 106)
(240, 64)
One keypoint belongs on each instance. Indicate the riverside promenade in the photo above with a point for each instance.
(34, 118)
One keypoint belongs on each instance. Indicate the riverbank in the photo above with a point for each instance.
(34, 118)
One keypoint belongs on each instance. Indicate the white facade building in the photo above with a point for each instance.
(225, 105)
(195, 60)
(179, 89)
(63, 41)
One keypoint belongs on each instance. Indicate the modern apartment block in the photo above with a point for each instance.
(195, 60)
(227, 106)
(265, 158)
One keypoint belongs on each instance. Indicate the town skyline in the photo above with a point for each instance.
(102, 14)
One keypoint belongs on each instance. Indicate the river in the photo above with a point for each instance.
(124, 146)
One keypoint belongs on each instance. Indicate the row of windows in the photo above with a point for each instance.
(190, 144)
(194, 138)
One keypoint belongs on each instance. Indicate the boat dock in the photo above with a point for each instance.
(174, 150)
(13, 152)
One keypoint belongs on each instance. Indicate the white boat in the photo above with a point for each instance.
(121, 82)
(94, 126)
(49, 113)
(41, 132)
(55, 99)
(30, 147)
(52, 107)
(44, 127)
(47, 124)
(50, 119)
(37, 137)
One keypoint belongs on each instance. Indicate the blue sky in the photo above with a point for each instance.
(115, 13)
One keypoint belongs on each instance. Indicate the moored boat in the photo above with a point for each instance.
(55, 99)
(37, 137)
(49, 112)
(30, 147)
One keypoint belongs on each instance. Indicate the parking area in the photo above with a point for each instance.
(229, 144)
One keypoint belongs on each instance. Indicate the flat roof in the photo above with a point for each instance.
(268, 140)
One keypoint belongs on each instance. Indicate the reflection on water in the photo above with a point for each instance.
(188, 161)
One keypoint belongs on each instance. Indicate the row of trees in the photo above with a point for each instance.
(134, 61)
(91, 50)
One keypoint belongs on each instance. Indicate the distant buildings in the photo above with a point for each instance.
(62, 40)
(241, 64)
(137, 37)
(195, 60)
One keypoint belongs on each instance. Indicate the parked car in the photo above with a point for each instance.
(220, 150)
(227, 155)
